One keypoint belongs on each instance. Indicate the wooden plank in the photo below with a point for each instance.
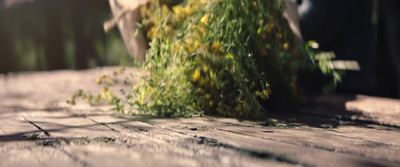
(361, 141)
(383, 110)
(14, 128)
(175, 149)
(17, 148)
(376, 110)
(84, 136)
(35, 156)
(300, 153)
(64, 124)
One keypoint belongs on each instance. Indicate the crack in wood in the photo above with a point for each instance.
(367, 140)
(73, 157)
(57, 143)
(37, 126)
(249, 152)
(263, 154)
(103, 124)
(3, 131)
(338, 150)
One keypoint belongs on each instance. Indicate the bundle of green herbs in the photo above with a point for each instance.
(217, 57)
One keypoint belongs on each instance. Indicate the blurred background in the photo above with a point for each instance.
(57, 34)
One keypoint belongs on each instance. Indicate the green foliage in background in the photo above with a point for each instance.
(23, 31)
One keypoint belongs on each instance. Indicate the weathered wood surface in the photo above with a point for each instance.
(323, 134)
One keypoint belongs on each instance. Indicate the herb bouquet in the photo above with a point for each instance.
(218, 57)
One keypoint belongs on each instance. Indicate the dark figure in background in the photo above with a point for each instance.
(53, 36)
(83, 46)
(343, 26)
(54, 14)
(50, 23)
(7, 59)
(389, 48)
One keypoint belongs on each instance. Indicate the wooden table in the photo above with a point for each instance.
(335, 130)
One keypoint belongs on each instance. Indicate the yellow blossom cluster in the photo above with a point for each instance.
(198, 61)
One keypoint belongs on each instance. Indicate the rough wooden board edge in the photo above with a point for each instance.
(359, 108)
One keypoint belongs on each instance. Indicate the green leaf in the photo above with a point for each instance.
(33, 136)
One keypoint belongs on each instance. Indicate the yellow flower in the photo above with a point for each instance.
(191, 85)
(143, 10)
(106, 94)
(189, 41)
(239, 108)
(121, 71)
(201, 30)
(264, 52)
(228, 56)
(141, 100)
(110, 82)
(204, 19)
(178, 10)
(176, 48)
(165, 10)
(150, 33)
(189, 9)
(156, 19)
(269, 27)
(97, 99)
(205, 68)
(191, 46)
(264, 36)
(286, 46)
(196, 75)
(212, 84)
(196, 45)
(207, 47)
(201, 1)
(99, 80)
(167, 29)
(190, 49)
(202, 82)
(215, 46)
